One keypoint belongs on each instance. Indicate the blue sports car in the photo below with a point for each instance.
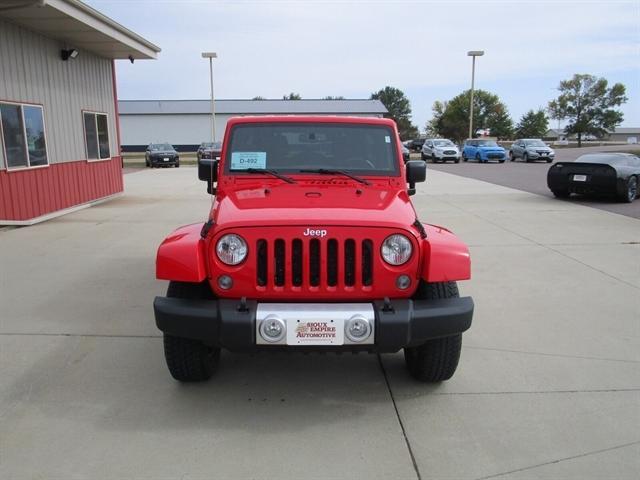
(483, 150)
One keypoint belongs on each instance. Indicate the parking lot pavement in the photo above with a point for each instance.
(548, 384)
(532, 177)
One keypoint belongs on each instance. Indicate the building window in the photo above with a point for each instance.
(96, 135)
(23, 135)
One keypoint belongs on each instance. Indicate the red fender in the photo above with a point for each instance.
(446, 257)
(181, 256)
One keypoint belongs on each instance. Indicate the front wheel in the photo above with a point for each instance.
(631, 190)
(437, 359)
(190, 360)
(512, 157)
(478, 158)
(423, 156)
(525, 157)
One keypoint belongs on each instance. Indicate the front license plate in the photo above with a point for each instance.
(579, 178)
(315, 332)
(166, 159)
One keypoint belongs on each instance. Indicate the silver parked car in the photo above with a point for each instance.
(440, 150)
(531, 149)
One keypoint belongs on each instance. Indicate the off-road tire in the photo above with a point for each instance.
(437, 359)
(631, 190)
(190, 360)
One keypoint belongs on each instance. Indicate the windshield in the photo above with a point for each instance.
(284, 147)
(160, 146)
(443, 143)
(206, 144)
(535, 143)
(487, 143)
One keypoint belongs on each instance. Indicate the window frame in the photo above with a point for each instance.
(6, 166)
(95, 114)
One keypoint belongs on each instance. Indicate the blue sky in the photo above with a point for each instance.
(352, 48)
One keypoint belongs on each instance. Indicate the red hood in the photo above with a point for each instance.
(314, 203)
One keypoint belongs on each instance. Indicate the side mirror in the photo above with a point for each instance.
(416, 172)
(208, 172)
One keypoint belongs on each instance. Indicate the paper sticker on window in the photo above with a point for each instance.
(245, 160)
(387, 139)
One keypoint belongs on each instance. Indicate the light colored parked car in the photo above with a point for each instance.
(440, 150)
(531, 149)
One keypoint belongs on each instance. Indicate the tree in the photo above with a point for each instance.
(451, 118)
(399, 108)
(533, 124)
(258, 98)
(589, 105)
(292, 96)
(330, 97)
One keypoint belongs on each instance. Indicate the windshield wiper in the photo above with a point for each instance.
(326, 171)
(271, 172)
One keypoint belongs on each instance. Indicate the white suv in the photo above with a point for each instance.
(440, 150)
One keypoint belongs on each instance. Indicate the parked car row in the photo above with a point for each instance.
(481, 150)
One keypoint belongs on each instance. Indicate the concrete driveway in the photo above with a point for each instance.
(548, 384)
(532, 177)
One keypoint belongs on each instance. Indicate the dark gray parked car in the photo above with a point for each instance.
(161, 155)
(531, 149)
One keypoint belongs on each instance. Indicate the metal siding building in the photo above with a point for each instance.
(187, 123)
(69, 94)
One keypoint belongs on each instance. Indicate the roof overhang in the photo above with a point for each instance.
(79, 26)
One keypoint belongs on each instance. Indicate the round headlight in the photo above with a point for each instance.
(231, 249)
(396, 249)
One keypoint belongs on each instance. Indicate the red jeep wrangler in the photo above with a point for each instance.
(312, 244)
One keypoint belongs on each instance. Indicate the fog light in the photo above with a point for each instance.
(225, 282)
(273, 329)
(403, 282)
(357, 328)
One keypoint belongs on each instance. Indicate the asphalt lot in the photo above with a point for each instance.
(548, 385)
(532, 177)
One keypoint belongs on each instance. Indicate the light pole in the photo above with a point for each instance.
(211, 56)
(473, 54)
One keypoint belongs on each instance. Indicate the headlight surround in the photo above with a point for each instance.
(231, 249)
(396, 249)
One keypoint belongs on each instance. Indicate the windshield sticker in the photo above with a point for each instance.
(387, 139)
(245, 160)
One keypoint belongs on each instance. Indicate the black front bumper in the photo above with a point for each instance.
(231, 324)
(158, 161)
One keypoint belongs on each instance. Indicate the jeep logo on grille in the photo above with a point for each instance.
(314, 233)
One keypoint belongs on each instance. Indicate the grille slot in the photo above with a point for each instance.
(367, 263)
(350, 263)
(332, 262)
(296, 262)
(314, 262)
(261, 262)
(280, 260)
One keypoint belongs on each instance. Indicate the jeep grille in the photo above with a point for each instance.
(349, 263)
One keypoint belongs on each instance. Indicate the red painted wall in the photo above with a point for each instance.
(27, 194)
